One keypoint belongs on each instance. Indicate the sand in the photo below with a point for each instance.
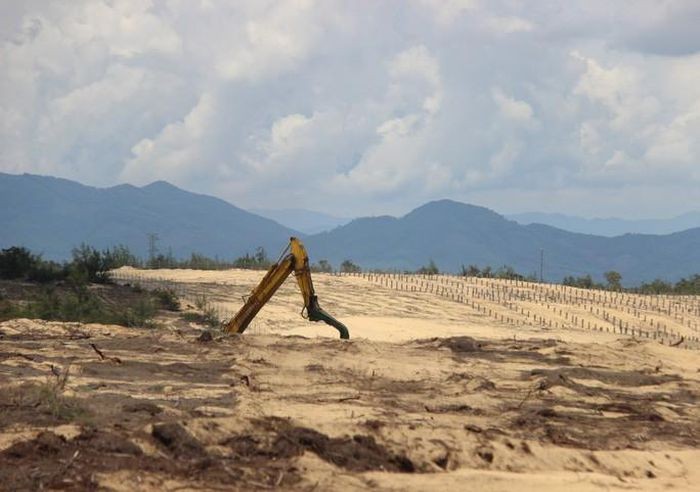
(432, 391)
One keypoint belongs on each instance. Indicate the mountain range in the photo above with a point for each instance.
(52, 215)
(610, 226)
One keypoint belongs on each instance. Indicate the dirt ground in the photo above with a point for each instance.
(429, 393)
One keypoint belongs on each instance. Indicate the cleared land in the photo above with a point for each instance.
(447, 383)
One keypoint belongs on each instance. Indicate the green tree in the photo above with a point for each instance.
(16, 262)
(347, 266)
(613, 279)
(470, 271)
(90, 262)
(657, 286)
(583, 282)
(323, 266)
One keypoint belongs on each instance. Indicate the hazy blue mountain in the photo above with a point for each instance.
(610, 226)
(52, 215)
(454, 234)
(306, 221)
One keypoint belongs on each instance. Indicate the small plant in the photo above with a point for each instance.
(208, 314)
(211, 317)
(47, 397)
(167, 298)
(140, 315)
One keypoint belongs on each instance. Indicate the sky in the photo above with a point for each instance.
(586, 107)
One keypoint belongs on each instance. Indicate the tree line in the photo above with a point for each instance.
(89, 264)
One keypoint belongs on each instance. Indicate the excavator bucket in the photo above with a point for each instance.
(315, 313)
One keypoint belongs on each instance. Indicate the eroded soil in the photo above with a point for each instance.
(104, 407)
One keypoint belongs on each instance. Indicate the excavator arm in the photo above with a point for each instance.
(297, 262)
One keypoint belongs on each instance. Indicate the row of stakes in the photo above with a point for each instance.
(506, 294)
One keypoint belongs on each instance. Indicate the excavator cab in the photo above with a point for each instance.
(293, 260)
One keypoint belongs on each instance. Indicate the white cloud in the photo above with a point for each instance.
(446, 12)
(511, 109)
(508, 25)
(274, 40)
(176, 153)
(378, 108)
(400, 157)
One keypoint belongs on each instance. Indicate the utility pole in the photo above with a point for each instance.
(541, 265)
(152, 248)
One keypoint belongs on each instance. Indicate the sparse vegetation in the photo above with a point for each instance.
(323, 266)
(429, 269)
(347, 266)
(46, 398)
(78, 302)
(258, 261)
(685, 286)
(167, 298)
(505, 272)
(139, 315)
(197, 261)
(207, 314)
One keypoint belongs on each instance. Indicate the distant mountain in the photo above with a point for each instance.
(610, 226)
(454, 234)
(52, 215)
(306, 221)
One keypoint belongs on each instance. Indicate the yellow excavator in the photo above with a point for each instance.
(293, 259)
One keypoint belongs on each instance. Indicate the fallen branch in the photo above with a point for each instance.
(99, 352)
(103, 356)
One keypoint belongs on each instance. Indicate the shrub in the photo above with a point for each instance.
(430, 269)
(167, 298)
(348, 266)
(47, 271)
(141, 314)
(323, 266)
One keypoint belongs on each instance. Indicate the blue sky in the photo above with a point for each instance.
(584, 107)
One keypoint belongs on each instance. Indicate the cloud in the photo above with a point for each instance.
(519, 112)
(176, 152)
(670, 30)
(400, 156)
(446, 12)
(356, 108)
(273, 40)
(508, 25)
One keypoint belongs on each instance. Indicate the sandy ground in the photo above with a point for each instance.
(432, 391)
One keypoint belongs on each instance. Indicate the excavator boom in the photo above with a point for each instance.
(297, 262)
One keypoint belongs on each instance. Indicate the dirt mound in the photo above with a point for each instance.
(177, 440)
(357, 453)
